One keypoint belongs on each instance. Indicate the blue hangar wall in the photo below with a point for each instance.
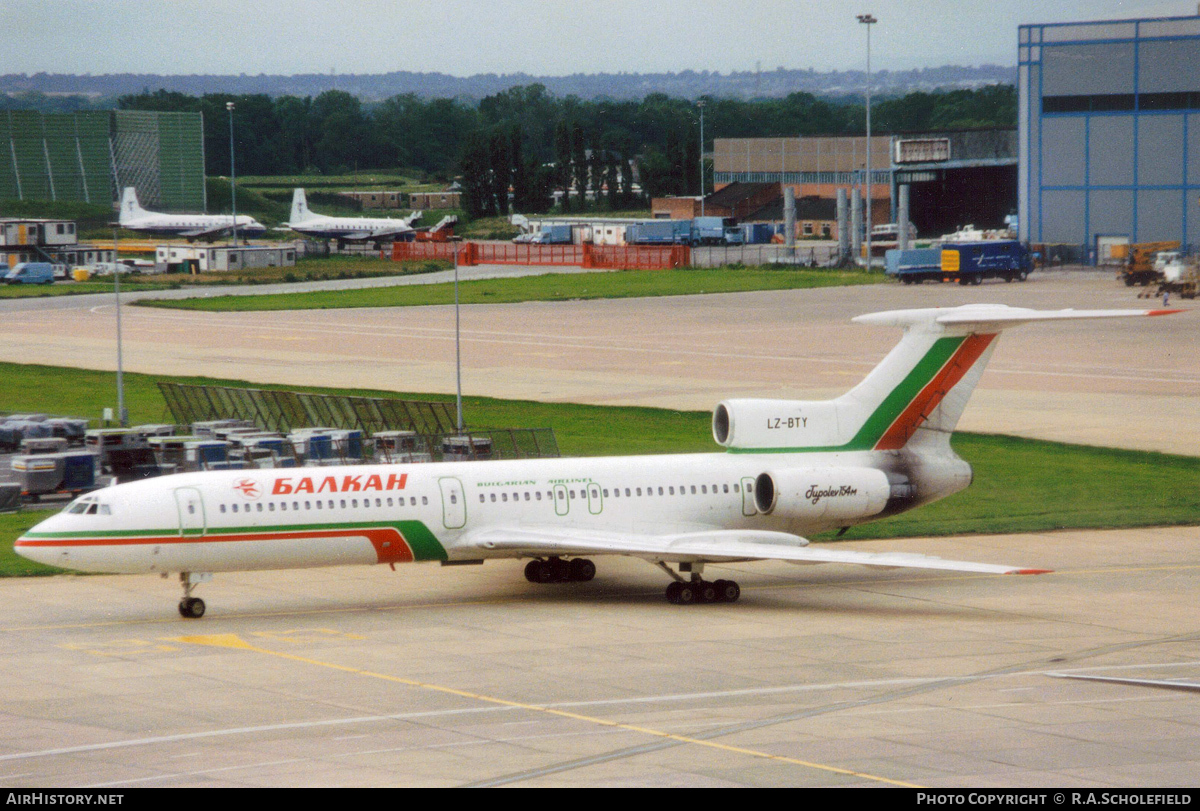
(1109, 131)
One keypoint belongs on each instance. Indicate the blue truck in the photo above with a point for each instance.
(964, 262)
(554, 235)
(716, 231)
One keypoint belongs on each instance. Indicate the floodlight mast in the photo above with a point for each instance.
(868, 20)
(232, 172)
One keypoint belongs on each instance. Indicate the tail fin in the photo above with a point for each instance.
(922, 385)
(130, 208)
(300, 211)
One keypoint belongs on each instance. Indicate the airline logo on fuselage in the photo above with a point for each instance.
(286, 486)
(248, 488)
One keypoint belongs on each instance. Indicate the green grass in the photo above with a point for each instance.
(1021, 485)
(548, 287)
(305, 270)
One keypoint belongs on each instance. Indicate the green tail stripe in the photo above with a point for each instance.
(894, 404)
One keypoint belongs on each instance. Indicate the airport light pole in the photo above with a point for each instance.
(232, 171)
(700, 104)
(457, 348)
(868, 20)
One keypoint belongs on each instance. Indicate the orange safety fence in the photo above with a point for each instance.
(639, 257)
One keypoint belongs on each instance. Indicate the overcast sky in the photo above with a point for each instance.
(541, 37)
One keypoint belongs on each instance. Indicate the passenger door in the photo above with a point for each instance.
(454, 503)
(190, 504)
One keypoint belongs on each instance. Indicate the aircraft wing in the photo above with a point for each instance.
(708, 545)
(206, 232)
(379, 233)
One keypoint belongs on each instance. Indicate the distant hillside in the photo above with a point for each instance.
(379, 86)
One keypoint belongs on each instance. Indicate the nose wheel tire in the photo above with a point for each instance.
(191, 608)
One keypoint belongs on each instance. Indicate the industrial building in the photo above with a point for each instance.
(1109, 132)
(54, 241)
(85, 157)
(206, 259)
(954, 178)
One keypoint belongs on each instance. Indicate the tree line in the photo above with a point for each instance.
(533, 143)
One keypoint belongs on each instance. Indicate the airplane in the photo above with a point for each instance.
(191, 226)
(790, 468)
(345, 229)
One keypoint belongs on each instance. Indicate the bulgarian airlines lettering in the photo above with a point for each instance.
(285, 486)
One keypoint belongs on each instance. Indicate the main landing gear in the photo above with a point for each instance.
(190, 607)
(557, 570)
(697, 589)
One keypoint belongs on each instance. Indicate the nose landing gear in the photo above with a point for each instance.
(192, 607)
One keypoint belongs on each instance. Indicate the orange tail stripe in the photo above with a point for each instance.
(899, 432)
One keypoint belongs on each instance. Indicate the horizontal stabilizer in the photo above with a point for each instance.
(988, 317)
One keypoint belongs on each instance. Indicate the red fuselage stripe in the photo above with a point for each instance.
(389, 544)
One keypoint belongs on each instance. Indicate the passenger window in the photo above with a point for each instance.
(481, 498)
(222, 508)
(639, 491)
(671, 489)
(726, 488)
(627, 491)
(660, 492)
(693, 489)
(503, 497)
(493, 497)
(539, 495)
(527, 495)
(271, 506)
(424, 500)
(606, 494)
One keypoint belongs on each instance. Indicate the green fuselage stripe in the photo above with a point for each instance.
(422, 541)
(891, 408)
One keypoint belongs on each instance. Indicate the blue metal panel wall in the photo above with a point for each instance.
(1111, 139)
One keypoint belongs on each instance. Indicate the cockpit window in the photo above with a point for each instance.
(88, 506)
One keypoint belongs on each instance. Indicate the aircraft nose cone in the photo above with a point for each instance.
(32, 549)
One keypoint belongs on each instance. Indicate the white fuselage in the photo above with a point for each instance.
(368, 514)
(319, 225)
(184, 224)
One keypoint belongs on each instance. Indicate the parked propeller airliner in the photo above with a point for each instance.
(345, 229)
(790, 468)
(191, 226)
